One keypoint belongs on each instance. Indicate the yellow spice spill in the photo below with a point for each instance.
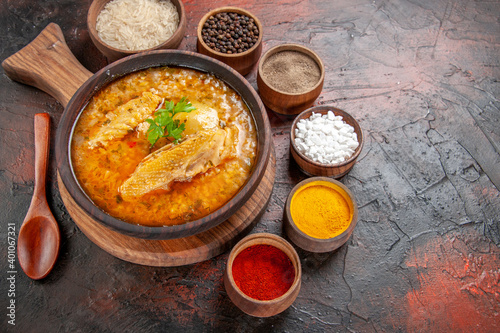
(320, 211)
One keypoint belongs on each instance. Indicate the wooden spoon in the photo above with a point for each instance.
(39, 237)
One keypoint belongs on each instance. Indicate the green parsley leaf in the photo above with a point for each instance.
(163, 125)
(183, 106)
(154, 132)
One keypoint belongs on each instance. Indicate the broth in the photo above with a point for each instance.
(102, 169)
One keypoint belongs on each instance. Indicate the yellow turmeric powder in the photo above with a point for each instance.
(320, 211)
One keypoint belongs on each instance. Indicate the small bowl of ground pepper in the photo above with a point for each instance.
(232, 35)
(320, 214)
(290, 78)
(263, 275)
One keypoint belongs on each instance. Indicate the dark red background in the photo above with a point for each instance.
(420, 76)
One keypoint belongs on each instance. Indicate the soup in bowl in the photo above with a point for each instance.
(163, 182)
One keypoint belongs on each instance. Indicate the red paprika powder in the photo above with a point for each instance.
(263, 272)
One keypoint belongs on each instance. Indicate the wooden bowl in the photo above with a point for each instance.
(113, 53)
(313, 168)
(254, 307)
(282, 102)
(241, 62)
(175, 58)
(313, 244)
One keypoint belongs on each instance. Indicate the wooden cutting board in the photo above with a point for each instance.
(181, 251)
(48, 64)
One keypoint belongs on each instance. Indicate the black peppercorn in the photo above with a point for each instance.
(230, 32)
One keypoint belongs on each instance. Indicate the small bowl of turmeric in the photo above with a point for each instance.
(320, 214)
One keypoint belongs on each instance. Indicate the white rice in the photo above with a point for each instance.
(135, 25)
(325, 138)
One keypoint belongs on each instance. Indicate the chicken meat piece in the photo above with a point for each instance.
(125, 118)
(196, 154)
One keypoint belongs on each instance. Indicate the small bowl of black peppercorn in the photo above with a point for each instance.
(231, 35)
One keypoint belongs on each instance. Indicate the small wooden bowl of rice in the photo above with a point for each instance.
(120, 28)
(325, 141)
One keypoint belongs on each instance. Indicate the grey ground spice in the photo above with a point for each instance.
(291, 72)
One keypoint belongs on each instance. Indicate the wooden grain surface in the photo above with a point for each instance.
(47, 64)
(421, 78)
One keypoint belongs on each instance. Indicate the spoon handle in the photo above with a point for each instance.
(42, 140)
(48, 64)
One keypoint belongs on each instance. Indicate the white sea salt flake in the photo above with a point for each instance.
(352, 144)
(316, 140)
(343, 130)
(342, 139)
(329, 150)
(338, 124)
(317, 121)
(326, 129)
(338, 154)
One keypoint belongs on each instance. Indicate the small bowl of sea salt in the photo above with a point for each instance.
(325, 141)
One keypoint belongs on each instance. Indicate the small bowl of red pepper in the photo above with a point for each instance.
(263, 275)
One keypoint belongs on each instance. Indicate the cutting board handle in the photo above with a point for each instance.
(48, 64)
